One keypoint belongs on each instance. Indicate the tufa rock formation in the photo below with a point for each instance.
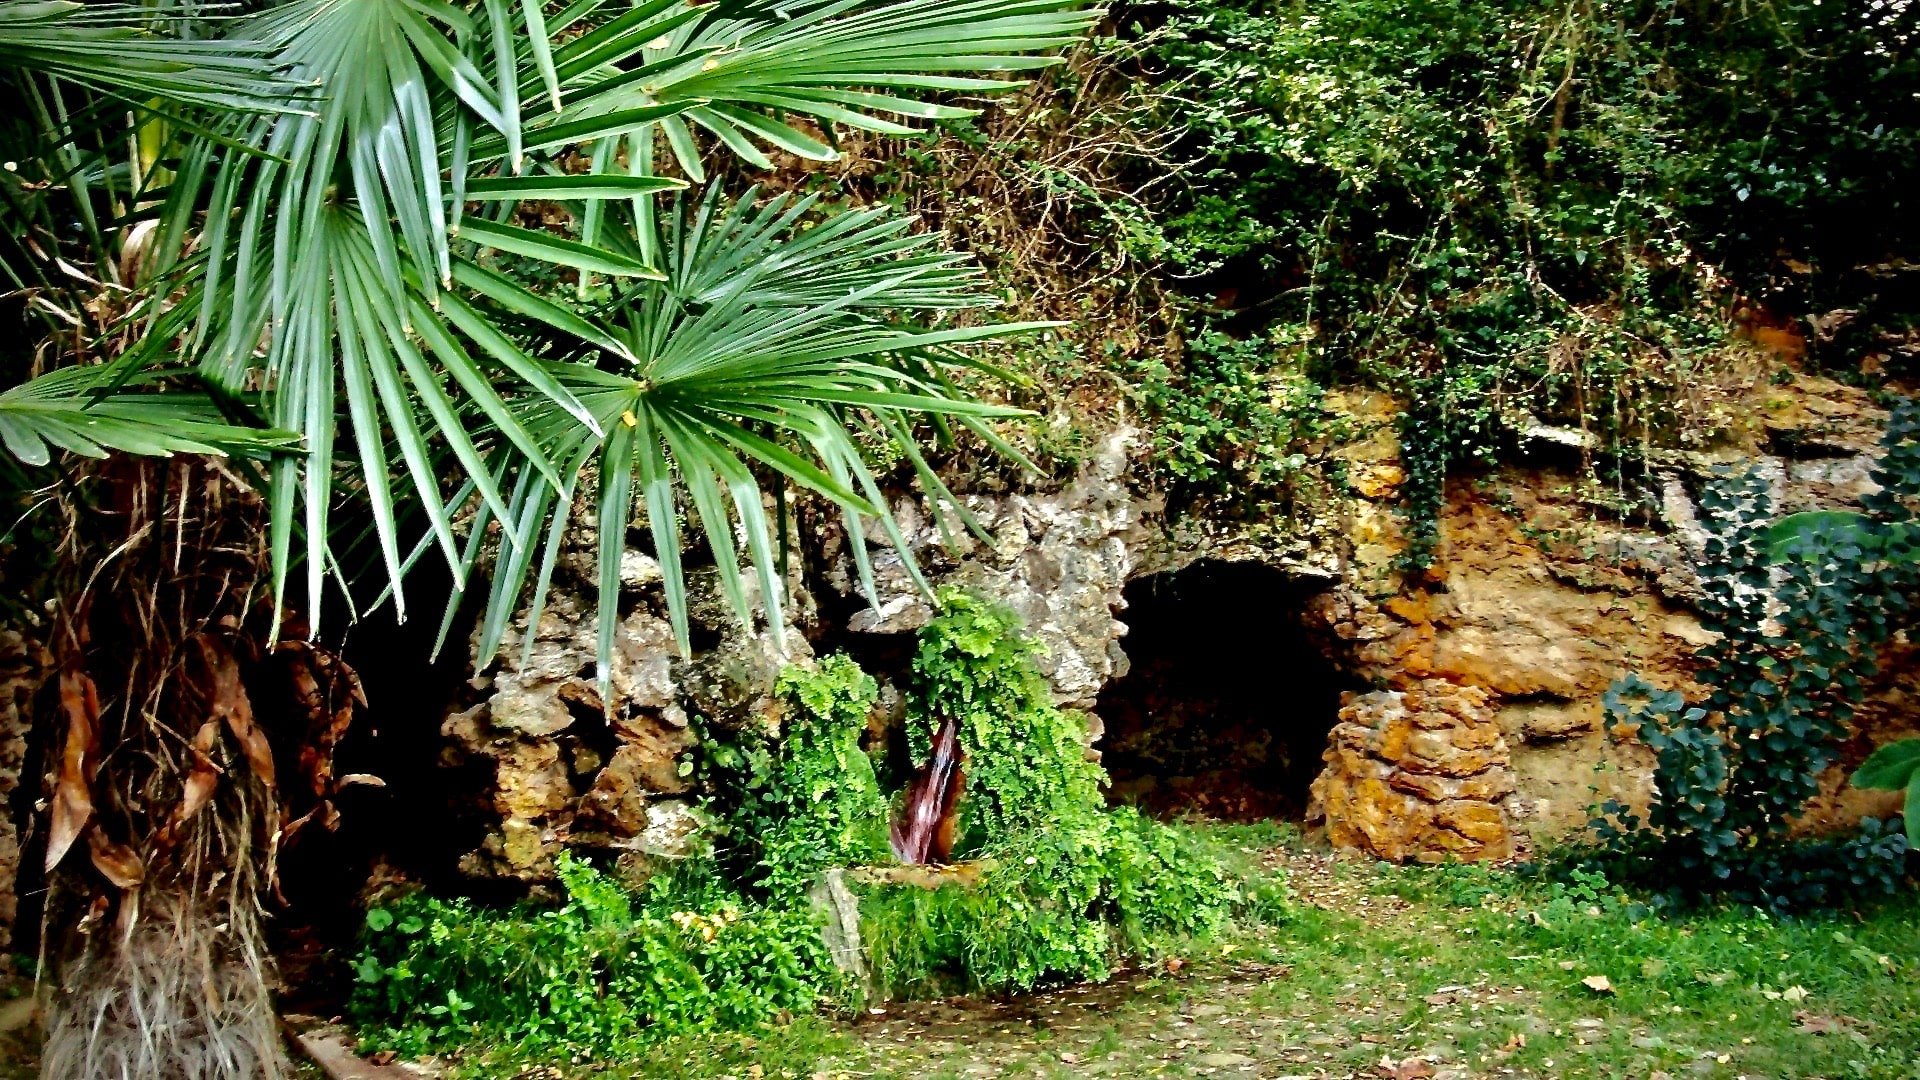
(1482, 738)
(1417, 775)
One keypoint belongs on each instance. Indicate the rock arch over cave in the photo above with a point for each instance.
(1227, 703)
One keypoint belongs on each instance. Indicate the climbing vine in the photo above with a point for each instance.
(1027, 763)
(1513, 214)
(1071, 885)
(1798, 614)
(808, 799)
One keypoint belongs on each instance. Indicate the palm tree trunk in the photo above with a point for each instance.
(172, 716)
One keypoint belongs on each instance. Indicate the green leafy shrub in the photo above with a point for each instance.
(807, 800)
(1896, 767)
(1026, 760)
(1070, 885)
(1231, 423)
(1058, 907)
(596, 974)
(1797, 620)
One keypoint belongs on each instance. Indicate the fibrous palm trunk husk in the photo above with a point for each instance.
(166, 809)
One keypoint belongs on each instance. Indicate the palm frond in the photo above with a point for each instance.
(324, 264)
(764, 353)
(138, 53)
(359, 257)
(743, 71)
(66, 409)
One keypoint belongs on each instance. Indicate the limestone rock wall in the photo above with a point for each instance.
(1060, 559)
(552, 767)
(1483, 736)
(1417, 774)
(1540, 598)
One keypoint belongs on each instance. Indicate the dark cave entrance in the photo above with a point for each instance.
(1227, 703)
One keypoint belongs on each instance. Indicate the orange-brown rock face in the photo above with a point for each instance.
(1540, 600)
(1417, 775)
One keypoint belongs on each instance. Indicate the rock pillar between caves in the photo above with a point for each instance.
(1418, 775)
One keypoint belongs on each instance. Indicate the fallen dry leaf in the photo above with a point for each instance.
(1812, 1023)
(1408, 1069)
(1599, 984)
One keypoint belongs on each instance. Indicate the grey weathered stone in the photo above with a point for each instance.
(1059, 559)
(839, 911)
(565, 767)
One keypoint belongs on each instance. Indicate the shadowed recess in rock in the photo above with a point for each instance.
(1226, 705)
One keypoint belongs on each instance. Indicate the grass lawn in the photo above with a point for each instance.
(1401, 972)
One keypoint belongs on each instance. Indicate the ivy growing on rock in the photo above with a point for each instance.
(1797, 614)
(1026, 760)
(1070, 885)
(1233, 422)
(1512, 213)
(808, 799)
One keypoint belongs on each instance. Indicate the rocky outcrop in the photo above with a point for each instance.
(553, 767)
(559, 767)
(1484, 735)
(1540, 596)
(1060, 559)
(23, 666)
(1417, 775)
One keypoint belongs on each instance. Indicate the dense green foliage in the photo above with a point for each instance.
(1477, 968)
(1060, 906)
(1067, 887)
(1071, 885)
(1026, 760)
(808, 799)
(1232, 426)
(1511, 210)
(598, 973)
(1796, 624)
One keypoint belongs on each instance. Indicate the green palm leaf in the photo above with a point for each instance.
(126, 49)
(743, 71)
(764, 353)
(359, 254)
(66, 409)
